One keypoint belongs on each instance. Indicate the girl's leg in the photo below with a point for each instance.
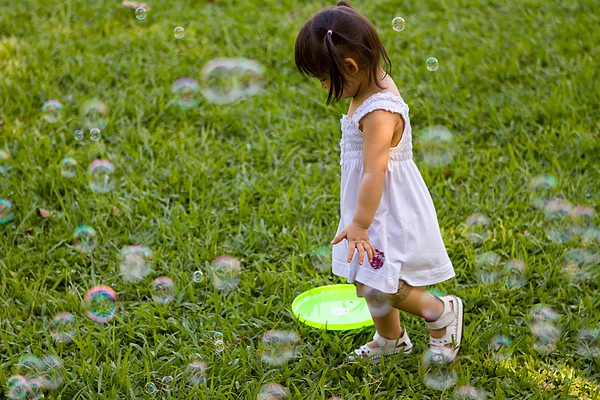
(387, 325)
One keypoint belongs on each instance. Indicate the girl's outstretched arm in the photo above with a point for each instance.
(378, 130)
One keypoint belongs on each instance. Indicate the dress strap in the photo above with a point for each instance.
(381, 101)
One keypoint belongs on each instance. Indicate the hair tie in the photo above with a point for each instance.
(329, 32)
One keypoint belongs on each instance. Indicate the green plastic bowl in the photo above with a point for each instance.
(332, 307)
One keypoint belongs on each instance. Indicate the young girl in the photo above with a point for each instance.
(387, 215)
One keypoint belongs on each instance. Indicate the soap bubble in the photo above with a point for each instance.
(470, 393)
(500, 347)
(432, 63)
(196, 372)
(547, 336)
(278, 347)
(273, 391)
(101, 303)
(398, 24)
(78, 134)
(68, 167)
(543, 181)
(225, 80)
(198, 276)
(52, 111)
(30, 365)
(558, 208)
(62, 327)
(225, 271)
(18, 387)
(85, 239)
(151, 388)
(436, 372)
(95, 134)
(163, 290)
(52, 372)
(219, 345)
(543, 313)
(178, 31)
(487, 271)
(94, 114)
(140, 13)
(513, 272)
(4, 166)
(135, 262)
(321, 258)
(437, 146)
(101, 176)
(477, 227)
(186, 91)
(6, 213)
(588, 342)
(166, 382)
(218, 336)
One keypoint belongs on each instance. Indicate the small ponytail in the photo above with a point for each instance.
(343, 4)
(336, 75)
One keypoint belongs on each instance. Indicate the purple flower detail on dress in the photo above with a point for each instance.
(378, 259)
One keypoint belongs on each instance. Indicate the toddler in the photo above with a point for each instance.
(388, 241)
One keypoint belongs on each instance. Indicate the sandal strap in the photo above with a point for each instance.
(446, 318)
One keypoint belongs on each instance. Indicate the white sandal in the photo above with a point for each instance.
(452, 320)
(387, 347)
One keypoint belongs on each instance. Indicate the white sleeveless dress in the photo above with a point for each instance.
(405, 230)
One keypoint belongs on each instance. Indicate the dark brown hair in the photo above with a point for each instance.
(333, 34)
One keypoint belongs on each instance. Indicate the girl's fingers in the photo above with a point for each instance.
(350, 250)
(361, 253)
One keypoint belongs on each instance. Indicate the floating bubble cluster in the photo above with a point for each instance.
(68, 167)
(52, 111)
(398, 24)
(321, 258)
(163, 290)
(437, 146)
(101, 174)
(278, 347)
(85, 239)
(186, 92)
(34, 376)
(62, 327)
(135, 262)
(6, 212)
(432, 64)
(273, 391)
(101, 303)
(226, 80)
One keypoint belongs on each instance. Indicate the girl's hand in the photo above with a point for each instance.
(358, 238)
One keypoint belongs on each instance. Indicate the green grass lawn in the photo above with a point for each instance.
(517, 86)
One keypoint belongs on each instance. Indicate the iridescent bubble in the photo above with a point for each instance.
(225, 80)
(52, 372)
(543, 313)
(78, 134)
(135, 262)
(151, 388)
(500, 347)
(477, 228)
(379, 303)
(432, 63)
(543, 181)
(68, 167)
(582, 257)
(166, 382)
(218, 336)
(196, 372)
(36, 387)
(95, 134)
(62, 327)
(4, 165)
(560, 234)
(30, 365)
(6, 213)
(225, 270)
(178, 31)
(187, 92)
(547, 336)
(398, 24)
(487, 271)
(85, 239)
(588, 342)
(514, 273)
(558, 208)
(52, 111)
(163, 290)
(94, 113)
(18, 387)
(442, 378)
(432, 359)
(219, 345)
(470, 393)
(101, 303)
(101, 176)
(140, 13)
(273, 391)
(581, 211)
(321, 258)
(278, 347)
(198, 276)
(437, 147)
